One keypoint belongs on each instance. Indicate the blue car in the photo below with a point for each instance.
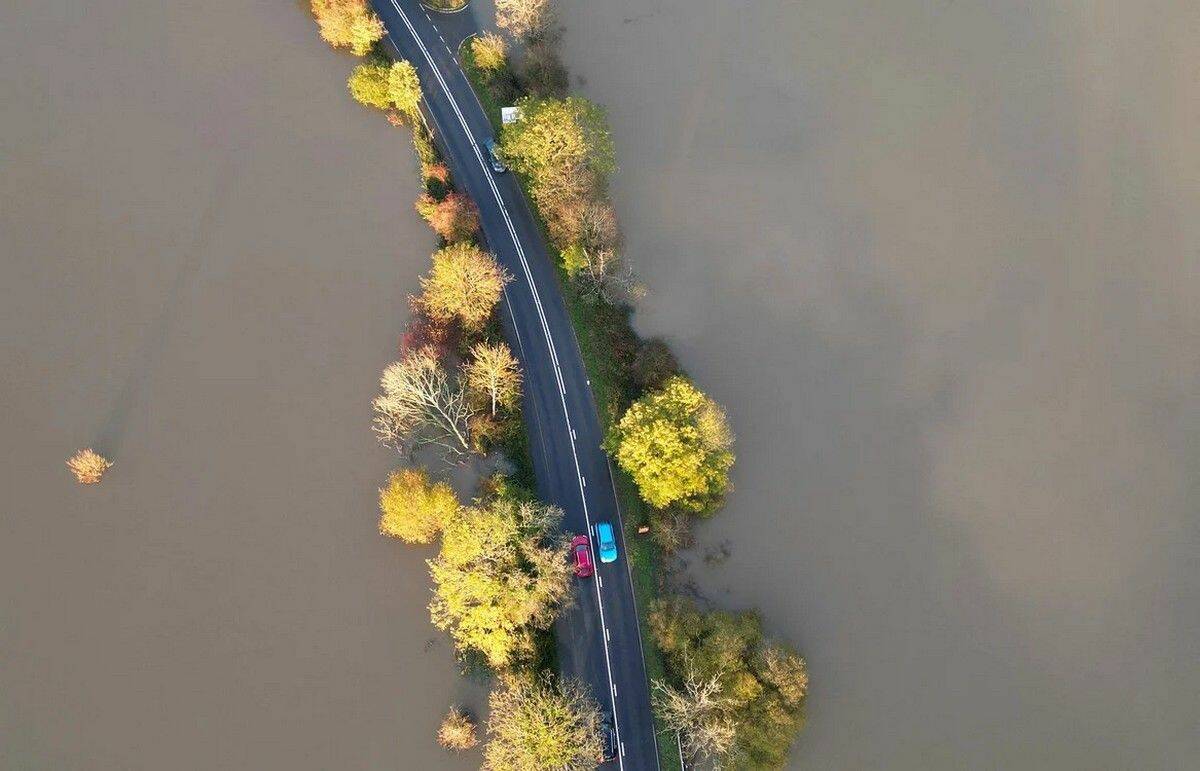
(606, 542)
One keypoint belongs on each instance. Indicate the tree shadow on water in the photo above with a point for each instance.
(112, 431)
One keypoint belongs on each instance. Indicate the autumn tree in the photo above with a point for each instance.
(465, 283)
(88, 466)
(494, 375)
(348, 24)
(701, 716)
(457, 731)
(422, 405)
(414, 509)
(404, 89)
(542, 724)
(387, 87)
(525, 19)
(731, 693)
(490, 51)
(563, 145)
(368, 84)
(501, 574)
(454, 217)
(675, 443)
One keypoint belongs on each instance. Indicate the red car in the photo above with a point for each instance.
(583, 556)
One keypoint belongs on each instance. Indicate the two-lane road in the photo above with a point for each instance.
(598, 638)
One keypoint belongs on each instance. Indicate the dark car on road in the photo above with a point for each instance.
(494, 157)
(608, 739)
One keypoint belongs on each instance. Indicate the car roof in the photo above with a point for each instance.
(604, 528)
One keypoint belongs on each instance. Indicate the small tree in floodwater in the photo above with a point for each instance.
(457, 731)
(88, 466)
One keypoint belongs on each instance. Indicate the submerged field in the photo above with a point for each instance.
(206, 251)
(938, 259)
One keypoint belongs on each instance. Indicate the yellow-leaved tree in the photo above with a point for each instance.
(348, 24)
(501, 574)
(493, 375)
(464, 284)
(675, 442)
(414, 509)
(541, 723)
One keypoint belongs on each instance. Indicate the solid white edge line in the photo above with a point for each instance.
(537, 304)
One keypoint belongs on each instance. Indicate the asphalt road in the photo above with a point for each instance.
(598, 638)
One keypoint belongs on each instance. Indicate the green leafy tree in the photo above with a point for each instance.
(465, 283)
(348, 24)
(501, 574)
(414, 509)
(675, 443)
(542, 724)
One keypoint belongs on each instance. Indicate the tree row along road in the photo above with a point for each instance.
(598, 636)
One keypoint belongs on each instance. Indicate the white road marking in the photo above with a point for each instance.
(584, 480)
(622, 749)
(537, 301)
(600, 579)
(606, 637)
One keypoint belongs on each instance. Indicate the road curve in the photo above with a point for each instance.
(598, 638)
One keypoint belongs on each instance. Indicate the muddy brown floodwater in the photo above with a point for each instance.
(940, 261)
(205, 251)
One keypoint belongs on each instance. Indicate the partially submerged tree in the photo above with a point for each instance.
(465, 283)
(722, 674)
(494, 375)
(564, 146)
(525, 19)
(490, 51)
(457, 731)
(404, 89)
(421, 405)
(675, 443)
(454, 217)
(500, 575)
(88, 466)
(387, 87)
(701, 715)
(348, 24)
(368, 84)
(414, 509)
(542, 724)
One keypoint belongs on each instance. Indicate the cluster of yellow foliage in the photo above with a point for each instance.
(88, 466)
(539, 724)
(490, 51)
(464, 284)
(457, 731)
(675, 443)
(348, 24)
(500, 575)
(412, 508)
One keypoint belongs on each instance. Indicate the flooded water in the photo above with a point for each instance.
(939, 260)
(205, 251)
